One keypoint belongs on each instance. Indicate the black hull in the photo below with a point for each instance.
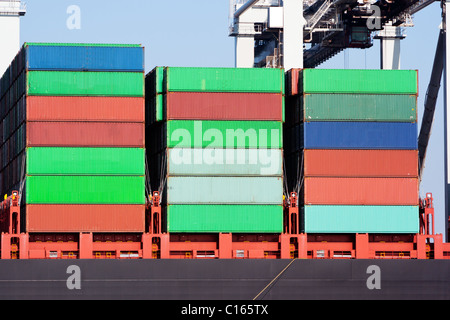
(225, 279)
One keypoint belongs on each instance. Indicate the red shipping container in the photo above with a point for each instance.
(85, 218)
(86, 134)
(362, 191)
(224, 106)
(361, 163)
(121, 109)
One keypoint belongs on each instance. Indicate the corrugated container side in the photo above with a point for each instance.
(224, 134)
(360, 107)
(224, 106)
(225, 190)
(225, 218)
(86, 58)
(362, 219)
(67, 83)
(85, 161)
(85, 218)
(85, 134)
(111, 109)
(360, 135)
(359, 81)
(361, 163)
(361, 191)
(224, 80)
(224, 162)
(85, 190)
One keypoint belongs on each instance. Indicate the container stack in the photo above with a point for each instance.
(76, 113)
(215, 138)
(354, 147)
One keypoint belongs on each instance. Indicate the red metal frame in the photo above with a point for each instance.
(155, 244)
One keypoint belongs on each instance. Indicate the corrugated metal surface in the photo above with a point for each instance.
(224, 134)
(361, 191)
(361, 163)
(85, 190)
(85, 161)
(87, 58)
(121, 109)
(360, 107)
(66, 83)
(225, 218)
(85, 134)
(224, 80)
(224, 106)
(85, 218)
(225, 190)
(224, 162)
(360, 135)
(361, 219)
(359, 81)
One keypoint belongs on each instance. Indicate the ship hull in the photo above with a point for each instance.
(225, 279)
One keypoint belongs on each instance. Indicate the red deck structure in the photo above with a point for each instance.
(157, 245)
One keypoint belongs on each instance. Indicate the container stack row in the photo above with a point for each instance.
(353, 152)
(215, 137)
(76, 114)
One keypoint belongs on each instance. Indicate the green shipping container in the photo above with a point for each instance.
(224, 134)
(86, 161)
(62, 83)
(224, 218)
(359, 81)
(360, 107)
(361, 219)
(224, 80)
(85, 190)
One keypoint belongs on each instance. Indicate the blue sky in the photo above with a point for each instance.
(195, 34)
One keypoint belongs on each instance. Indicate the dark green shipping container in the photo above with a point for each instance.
(360, 107)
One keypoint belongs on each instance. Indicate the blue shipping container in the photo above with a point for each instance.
(84, 57)
(360, 135)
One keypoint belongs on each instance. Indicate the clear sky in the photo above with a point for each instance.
(195, 34)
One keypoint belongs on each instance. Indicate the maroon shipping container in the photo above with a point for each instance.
(85, 134)
(85, 218)
(361, 163)
(121, 109)
(224, 106)
(362, 191)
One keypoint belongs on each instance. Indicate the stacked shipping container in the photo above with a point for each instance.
(77, 112)
(353, 149)
(215, 138)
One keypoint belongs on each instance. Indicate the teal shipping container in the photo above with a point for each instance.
(225, 190)
(361, 219)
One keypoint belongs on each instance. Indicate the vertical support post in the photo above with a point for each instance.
(86, 246)
(23, 247)
(285, 244)
(6, 247)
(225, 246)
(421, 245)
(245, 52)
(438, 247)
(293, 34)
(303, 246)
(446, 22)
(390, 39)
(362, 246)
(165, 246)
(147, 246)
